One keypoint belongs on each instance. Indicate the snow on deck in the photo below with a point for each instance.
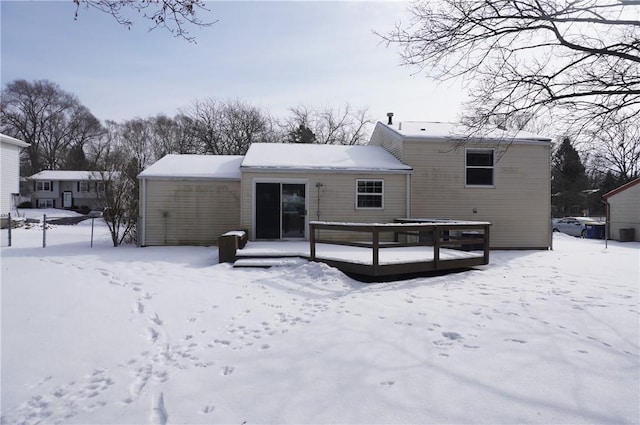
(352, 254)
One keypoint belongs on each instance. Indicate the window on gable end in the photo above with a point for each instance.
(479, 167)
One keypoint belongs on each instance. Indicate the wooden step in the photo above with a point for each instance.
(266, 262)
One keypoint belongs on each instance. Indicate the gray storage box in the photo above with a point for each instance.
(627, 235)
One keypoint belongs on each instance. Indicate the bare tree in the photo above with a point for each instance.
(119, 168)
(530, 55)
(100, 150)
(341, 126)
(227, 128)
(243, 125)
(205, 120)
(137, 142)
(119, 203)
(616, 149)
(50, 119)
(172, 15)
(186, 140)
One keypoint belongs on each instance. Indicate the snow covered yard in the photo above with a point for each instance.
(166, 335)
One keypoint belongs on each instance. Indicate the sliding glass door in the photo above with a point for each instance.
(280, 210)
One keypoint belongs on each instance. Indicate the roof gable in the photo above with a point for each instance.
(292, 156)
(621, 188)
(13, 141)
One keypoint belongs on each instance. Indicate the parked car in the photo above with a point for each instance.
(574, 226)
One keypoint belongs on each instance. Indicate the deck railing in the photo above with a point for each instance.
(437, 235)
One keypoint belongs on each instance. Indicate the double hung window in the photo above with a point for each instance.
(43, 186)
(370, 194)
(479, 168)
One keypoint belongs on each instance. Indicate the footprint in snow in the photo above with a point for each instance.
(208, 409)
(520, 341)
(153, 334)
(452, 335)
(155, 319)
(158, 411)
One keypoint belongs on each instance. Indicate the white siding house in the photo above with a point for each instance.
(10, 166)
(623, 205)
(67, 189)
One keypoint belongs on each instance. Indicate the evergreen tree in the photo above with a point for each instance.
(302, 134)
(568, 180)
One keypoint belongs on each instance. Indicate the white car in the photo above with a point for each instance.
(574, 226)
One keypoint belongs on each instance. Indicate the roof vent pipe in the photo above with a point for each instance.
(390, 116)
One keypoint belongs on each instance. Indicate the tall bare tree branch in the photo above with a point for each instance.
(173, 15)
(582, 56)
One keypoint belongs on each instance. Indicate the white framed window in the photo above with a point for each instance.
(369, 194)
(83, 186)
(100, 186)
(479, 167)
(45, 203)
(43, 186)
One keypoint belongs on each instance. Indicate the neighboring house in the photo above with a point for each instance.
(415, 170)
(10, 166)
(67, 189)
(623, 210)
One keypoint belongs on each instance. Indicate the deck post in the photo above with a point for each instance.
(486, 244)
(312, 242)
(436, 247)
(376, 250)
(9, 228)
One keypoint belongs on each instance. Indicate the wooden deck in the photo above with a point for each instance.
(386, 249)
(402, 248)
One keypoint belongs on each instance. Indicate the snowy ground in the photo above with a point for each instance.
(165, 335)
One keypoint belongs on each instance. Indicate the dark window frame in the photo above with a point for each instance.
(479, 167)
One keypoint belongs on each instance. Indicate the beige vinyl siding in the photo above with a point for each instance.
(388, 139)
(624, 212)
(337, 196)
(197, 211)
(518, 206)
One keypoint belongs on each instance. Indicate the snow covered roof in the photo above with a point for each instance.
(292, 156)
(452, 131)
(195, 167)
(66, 175)
(13, 141)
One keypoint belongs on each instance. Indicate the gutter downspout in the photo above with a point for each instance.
(606, 223)
(143, 232)
(408, 206)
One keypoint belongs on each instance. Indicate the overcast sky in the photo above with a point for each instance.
(274, 55)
